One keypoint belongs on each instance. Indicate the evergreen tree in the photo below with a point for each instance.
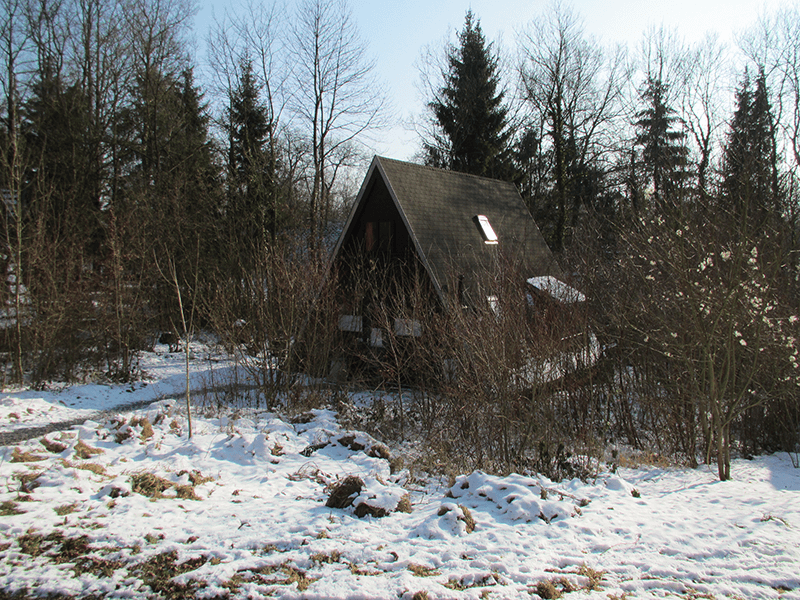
(664, 152)
(470, 119)
(251, 172)
(751, 188)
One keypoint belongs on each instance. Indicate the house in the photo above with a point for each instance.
(447, 231)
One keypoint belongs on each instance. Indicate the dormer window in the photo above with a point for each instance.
(485, 229)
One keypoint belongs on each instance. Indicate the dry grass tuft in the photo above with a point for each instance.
(150, 485)
(19, 456)
(186, 492)
(84, 451)
(66, 509)
(422, 570)
(467, 518)
(53, 446)
(153, 486)
(95, 468)
(344, 492)
(9, 508)
(379, 451)
(27, 481)
(147, 427)
(594, 577)
(321, 557)
(196, 477)
(404, 505)
(295, 575)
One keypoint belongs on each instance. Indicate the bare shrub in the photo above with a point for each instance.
(488, 374)
(276, 319)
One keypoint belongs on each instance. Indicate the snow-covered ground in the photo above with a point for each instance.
(242, 513)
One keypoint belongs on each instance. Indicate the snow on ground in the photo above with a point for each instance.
(241, 512)
(163, 375)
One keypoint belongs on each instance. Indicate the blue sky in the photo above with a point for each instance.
(396, 31)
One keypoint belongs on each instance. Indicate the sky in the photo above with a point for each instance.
(396, 32)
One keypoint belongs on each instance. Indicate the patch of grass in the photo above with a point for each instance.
(196, 477)
(553, 588)
(27, 481)
(149, 484)
(458, 585)
(99, 567)
(693, 594)
(469, 522)
(84, 451)
(186, 492)
(95, 468)
(9, 508)
(455, 584)
(65, 509)
(31, 544)
(158, 571)
(594, 577)
(355, 570)
(153, 486)
(422, 595)
(123, 434)
(52, 446)
(547, 590)
(404, 506)
(72, 548)
(147, 427)
(295, 575)
(20, 456)
(321, 557)
(69, 548)
(422, 570)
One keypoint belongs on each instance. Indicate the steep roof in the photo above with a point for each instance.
(438, 208)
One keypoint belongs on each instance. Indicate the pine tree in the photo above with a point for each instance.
(469, 116)
(664, 152)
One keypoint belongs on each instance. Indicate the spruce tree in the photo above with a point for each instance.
(469, 116)
(251, 173)
(751, 189)
(664, 152)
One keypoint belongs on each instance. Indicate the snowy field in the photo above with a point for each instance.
(126, 506)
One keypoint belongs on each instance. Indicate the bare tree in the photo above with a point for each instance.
(13, 40)
(700, 106)
(574, 87)
(336, 98)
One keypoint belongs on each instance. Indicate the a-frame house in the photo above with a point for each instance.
(448, 227)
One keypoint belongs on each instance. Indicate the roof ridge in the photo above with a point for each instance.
(441, 170)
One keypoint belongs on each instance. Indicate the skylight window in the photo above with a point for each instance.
(485, 229)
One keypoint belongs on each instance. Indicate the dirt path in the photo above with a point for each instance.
(8, 438)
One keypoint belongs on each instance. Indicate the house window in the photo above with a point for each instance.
(485, 229)
(370, 236)
(350, 323)
(378, 236)
(407, 327)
